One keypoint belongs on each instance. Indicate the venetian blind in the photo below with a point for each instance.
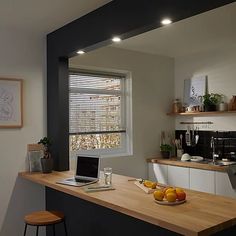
(96, 103)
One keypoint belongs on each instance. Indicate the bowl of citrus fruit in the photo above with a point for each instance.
(169, 196)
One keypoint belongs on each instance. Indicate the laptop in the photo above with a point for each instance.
(87, 171)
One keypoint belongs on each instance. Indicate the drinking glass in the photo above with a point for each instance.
(107, 175)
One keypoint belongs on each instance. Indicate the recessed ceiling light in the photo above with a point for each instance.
(80, 52)
(116, 39)
(166, 21)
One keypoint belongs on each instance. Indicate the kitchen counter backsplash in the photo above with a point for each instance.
(225, 143)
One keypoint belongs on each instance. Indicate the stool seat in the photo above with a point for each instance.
(40, 218)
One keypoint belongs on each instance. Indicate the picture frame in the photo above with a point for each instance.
(11, 103)
(194, 89)
(35, 152)
(34, 158)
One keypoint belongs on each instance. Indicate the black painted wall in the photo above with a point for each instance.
(125, 18)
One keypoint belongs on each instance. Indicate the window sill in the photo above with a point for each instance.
(111, 155)
(107, 154)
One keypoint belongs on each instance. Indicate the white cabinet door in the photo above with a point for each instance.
(223, 185)
(157, 172)
(178, 176)
(202, 180)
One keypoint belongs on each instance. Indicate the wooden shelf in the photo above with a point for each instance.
(208, 113)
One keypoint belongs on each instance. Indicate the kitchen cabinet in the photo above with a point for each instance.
(178, 176)
(209, 181)
(157, 172)
(202, 180)
(223, 185)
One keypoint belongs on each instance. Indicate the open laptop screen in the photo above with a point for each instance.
(87, 166)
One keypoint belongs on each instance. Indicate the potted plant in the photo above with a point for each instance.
(165, 150)
(211, 100)
(46, 160)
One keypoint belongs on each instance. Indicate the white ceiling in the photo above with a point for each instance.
(209, 31)
(43, 16)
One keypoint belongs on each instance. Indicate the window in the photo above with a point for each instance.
(100, 113)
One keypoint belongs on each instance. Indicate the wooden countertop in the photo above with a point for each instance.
(202, 214)
(176, 162)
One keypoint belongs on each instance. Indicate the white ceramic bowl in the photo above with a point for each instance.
(197, 158)
(185, 157)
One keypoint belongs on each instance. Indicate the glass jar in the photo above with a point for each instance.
(232, 103)
(176, 106)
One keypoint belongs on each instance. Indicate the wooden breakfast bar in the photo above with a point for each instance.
(128, 210)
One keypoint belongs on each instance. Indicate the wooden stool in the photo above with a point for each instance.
(44, 218)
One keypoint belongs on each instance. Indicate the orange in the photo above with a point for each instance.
(170, 190)
(164, 190)
(158, 195)
(179, 190)
(171, 197)
(181, 195)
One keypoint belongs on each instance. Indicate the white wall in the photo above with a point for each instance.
(22, 55)
(220, 67)
(152, 90)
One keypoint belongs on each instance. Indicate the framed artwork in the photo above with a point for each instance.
(11, 103)
(35, 153)
(194, 89)
(34, 158)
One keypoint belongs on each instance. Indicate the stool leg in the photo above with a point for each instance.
(25, 229)
(37, 231)
(65, 227)
(53, 227)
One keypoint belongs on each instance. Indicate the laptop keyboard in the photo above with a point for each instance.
(80, 180)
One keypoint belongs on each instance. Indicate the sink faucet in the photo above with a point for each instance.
(214, 155)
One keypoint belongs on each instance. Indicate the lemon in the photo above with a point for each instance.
(158, 195)
(154, 185)
(149, 184)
